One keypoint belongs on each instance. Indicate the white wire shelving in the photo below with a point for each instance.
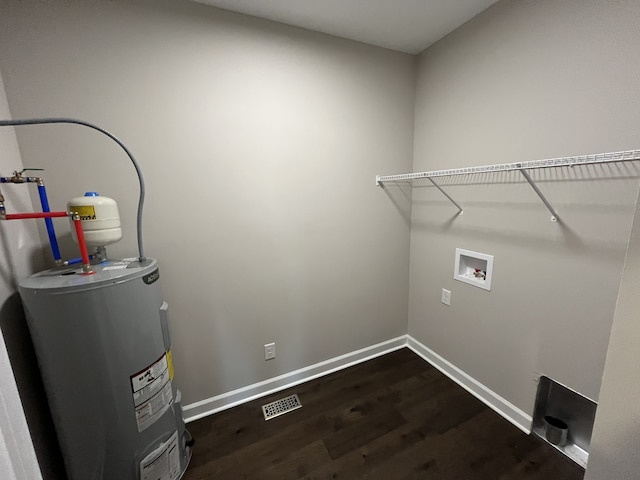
(522, 167)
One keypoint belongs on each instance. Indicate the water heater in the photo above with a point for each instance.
(104, 350)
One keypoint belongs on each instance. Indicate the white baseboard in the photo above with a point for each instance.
(509, 411)
(212, 405)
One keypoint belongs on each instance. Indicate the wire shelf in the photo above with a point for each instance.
(522, 167)
(624, 156)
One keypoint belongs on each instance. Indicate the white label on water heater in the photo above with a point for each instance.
(152, 393)
(147, 379)
(163, 463)
(117, 265)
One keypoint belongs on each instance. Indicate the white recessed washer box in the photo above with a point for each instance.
(473, 268)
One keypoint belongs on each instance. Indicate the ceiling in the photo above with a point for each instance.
(408, 26)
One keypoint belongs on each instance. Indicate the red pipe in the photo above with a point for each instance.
(76, 222)
(81, 241)
(22, 216)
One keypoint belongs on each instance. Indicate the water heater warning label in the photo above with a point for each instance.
(152, 393)
(163, 463)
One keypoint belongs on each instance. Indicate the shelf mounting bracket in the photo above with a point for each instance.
(460, 211)
(554, 214)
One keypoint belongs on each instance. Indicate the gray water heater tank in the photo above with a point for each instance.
(104, 351)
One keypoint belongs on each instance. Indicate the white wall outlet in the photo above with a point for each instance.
(446, 296)
(269, 351)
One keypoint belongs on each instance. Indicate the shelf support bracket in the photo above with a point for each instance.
(460, 212)
(554, 214)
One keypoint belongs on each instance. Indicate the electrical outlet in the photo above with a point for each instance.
(269, 351)
(446, 297)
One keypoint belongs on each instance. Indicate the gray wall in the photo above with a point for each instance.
(616, 435)
(524, 81)
(260, 144)
(18, 241)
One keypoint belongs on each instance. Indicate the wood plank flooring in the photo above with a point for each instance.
(391, 418)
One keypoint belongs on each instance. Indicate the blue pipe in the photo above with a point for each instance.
(74, 261)
(49, 222)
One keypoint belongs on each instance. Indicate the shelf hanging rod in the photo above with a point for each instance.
(554, 214)
(460, 212)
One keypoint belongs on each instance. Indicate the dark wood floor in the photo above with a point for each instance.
(394, 417)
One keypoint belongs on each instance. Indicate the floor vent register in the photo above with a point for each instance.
(280, 407)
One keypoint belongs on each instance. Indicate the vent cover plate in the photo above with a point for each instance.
(280, 407)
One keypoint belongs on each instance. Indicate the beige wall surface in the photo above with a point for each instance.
(259, 143)
(525, 81)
